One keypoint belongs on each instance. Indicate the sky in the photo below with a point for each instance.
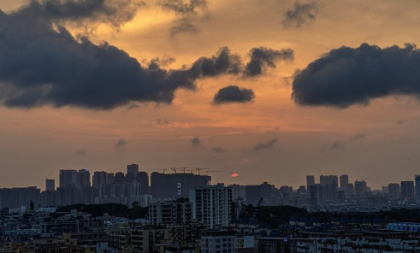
(272, 90)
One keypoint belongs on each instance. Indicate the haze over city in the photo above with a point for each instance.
(267, 90)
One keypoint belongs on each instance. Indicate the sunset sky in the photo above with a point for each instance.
(272, 90)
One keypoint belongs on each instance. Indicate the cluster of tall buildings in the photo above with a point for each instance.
(135, 186)
(332, 189)
(79, 186)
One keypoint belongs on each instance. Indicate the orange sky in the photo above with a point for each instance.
(311, 140)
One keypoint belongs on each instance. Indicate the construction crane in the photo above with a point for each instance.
(49, 175)
(199, 169)
(208, 171)
(163, 170)
(238, 206)
(183, 169)
(254, 215)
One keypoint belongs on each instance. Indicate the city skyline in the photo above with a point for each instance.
(95, 178)
(272, 91)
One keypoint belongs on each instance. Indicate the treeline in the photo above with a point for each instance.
(118, 210)
(271, 215)
(277, 215)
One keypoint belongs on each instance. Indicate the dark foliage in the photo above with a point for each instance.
(112, 209)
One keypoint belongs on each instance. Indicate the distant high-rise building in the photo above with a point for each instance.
(212, 205)
(316, 194)
(99, 179)
(301, 190)
(18, 197)
(68, 178)
(360, 188)
(238, 191)
(83, 178)
(119, 178)
(110, 178)
(49, 185)
(407, 189)
(254, 193)
(330, 185)
(344, 182)
(350, 190)
(174, 186)
(143, 178)
(173, 212)
(310, 180)
(132, 169)
(394, 190)
(417, 181)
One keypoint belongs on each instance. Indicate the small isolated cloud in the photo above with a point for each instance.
(260, 146)
(400, 122)
(163, 123)
(241, 161)
(188, 13)
(217, 150)
(335, 145)
(274, 130)
(262, 58)
(164, 60)
(300, 14)
(183, 27)
(195, 142)
(81, 152)
(121, 143)
(233, 94)
(358, 136)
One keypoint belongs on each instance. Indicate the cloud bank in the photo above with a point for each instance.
(348, 76)
(43, 64)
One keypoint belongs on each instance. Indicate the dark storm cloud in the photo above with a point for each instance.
(41, 63)
(300, 14)
(224, 62)
(233, 94)
(187, 12)
(348, 76)
(111, 12)
(217, 150)
(195, 142)
(265, 145)
(263, 58)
